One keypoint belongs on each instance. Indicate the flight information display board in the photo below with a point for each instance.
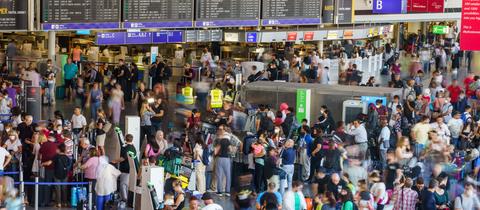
(224, 13)
(158, 13)
(13, 15)
(291, 12)
(86, 14)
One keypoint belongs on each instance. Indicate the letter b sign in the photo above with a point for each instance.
(379, 5)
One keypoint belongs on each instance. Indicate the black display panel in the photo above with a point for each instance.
(227, 12)
(80, 11)
(13, 15)
(158, 13)
(291, 12)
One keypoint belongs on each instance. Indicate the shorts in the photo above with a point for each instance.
(68, 83)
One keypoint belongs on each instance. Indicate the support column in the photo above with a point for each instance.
(320, 48)
(475, 66)
(51, 45)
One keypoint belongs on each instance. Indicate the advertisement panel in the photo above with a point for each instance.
(425, 6)
(291, 36)
(327, 11)
(308, 36)
(304, 98)
(470, 31)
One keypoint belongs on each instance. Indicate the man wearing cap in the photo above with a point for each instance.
(209, 204)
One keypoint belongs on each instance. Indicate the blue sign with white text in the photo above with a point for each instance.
(139, 38)
(252, 37)
(168, 37)
(111, 38)
(389, 6)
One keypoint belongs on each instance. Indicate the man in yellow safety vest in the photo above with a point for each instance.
(216, 98)
(187, 92)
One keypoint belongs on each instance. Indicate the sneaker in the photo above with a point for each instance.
(226, 194)
(219, 194)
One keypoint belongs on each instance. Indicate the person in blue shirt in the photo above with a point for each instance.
(69, 72)
(427, 197)
(262, 200)
(288, 160)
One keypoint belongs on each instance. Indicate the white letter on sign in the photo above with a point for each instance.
(379, 5)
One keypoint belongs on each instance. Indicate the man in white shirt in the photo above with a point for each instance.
(5, 158)
(209, 204)
(442, 129)
(468, 199)
(358, 131)
(455, 126)
(384, 140)
(79, 122)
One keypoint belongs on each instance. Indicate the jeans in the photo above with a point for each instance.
(102, 200)
(61, 191)
(50, 92)
(208, 179)
(419, 149)
(259, 178)
(426, 66)
(123, 188)
(456, 142)
(93, 109)
(223, 171)
(46, 190)
(289, 169)
(157, 126)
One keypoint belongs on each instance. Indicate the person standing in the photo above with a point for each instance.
(159, 108)
(48, 151)
(128, 150)
(94, 100)
(216, 97)
(404, 197)
(200, 166)
(288, 155)
(468, 199)
(294, 199)
(79, 123)
(51, 77)
(106, 182)
(77, 54)
(123, 75)
(116, 103)
(223, 167)
(69, 72)
(61, 163)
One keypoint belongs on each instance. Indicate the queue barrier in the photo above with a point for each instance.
(37, 183)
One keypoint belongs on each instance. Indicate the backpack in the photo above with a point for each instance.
(61, 167)
(206, 156)
(98, 77)
(266, 124)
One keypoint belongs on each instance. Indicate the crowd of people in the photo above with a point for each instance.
(419, 150)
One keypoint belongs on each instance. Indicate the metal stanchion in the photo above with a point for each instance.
(22, 187)
(90, 196)
(36, 193)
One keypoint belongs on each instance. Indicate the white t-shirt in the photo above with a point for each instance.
(385, 135)
(455, 126)
(13, 146)
(78, 121)
(212, 206)
(3, 153)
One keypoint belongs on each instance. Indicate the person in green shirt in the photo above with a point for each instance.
(346, 197)
(69, 72)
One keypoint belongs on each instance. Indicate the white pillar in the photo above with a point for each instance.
(320, 48)
(51, 45)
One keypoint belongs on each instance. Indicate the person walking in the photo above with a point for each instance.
(223, 167)
(116, 103)
(94, 100)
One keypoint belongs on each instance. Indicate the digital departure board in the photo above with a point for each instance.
(158, 13)
(13, 15)
(223, 13)
(291, 12)
(204, 36)
(74, 14)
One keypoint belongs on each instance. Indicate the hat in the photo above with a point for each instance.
(283, 106)
(228, 99)
(207, 196)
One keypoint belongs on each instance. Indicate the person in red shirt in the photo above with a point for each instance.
(454, 90)
(467, 81)
(48, 151)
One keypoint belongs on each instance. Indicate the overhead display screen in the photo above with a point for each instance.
(13, 15)
(291, 12)
(158, 13)
(85, 14)
(204, 36)
(223, 13)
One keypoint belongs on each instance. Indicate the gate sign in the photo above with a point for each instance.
(470, 31)
(389, 6)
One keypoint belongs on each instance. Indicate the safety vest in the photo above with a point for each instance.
(216, 98)
(187, 93)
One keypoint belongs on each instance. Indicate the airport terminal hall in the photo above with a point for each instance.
(240, 104)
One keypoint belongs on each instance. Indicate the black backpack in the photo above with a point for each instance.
(61, 166)
(98, 77)
(266, 124)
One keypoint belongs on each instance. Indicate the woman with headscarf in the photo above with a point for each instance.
(106, 181)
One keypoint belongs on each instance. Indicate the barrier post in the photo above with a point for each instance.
(22, 187)
(90, 196)
(36, 193)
